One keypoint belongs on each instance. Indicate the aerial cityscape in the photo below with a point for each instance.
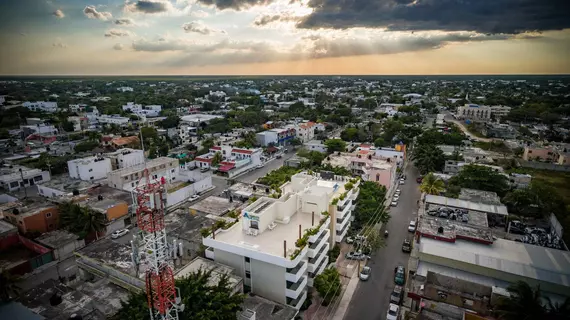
(284, 160)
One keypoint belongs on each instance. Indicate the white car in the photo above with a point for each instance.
(365, 273)
(398, 191)
(402, 181)
(194, 198)
(393, 312)
(396, 197)
(394, 203)
(412, 226)
(119, 233)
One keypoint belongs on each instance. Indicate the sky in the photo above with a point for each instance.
(284, 37)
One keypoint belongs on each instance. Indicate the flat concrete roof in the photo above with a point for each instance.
(217, 269)
(6, 227)
(516, 258)
(268, 310)
(57, 238)
(464, 204)
(217, 206)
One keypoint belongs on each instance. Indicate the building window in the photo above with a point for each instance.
(254, 224)
(133, 184)
(13, 184)
(48, 215)
(247, 260)
(38, 178)
(248, 275)
(90, 170)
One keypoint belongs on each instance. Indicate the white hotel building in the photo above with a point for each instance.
(263, 245)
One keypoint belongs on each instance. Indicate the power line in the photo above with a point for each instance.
(375, 216)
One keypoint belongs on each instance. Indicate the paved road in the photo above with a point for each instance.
(450, 118)
(372, 297)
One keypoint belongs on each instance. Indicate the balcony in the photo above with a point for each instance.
(316, 247)
(341, 223)
(314, 263)
(294, 274)
(297, 303)
(322, 229)
(340, 234)
(319, 269)
(294, 289)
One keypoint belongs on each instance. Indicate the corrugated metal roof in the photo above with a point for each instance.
(525, 260)
(475, 206)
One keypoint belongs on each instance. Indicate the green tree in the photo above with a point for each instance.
(217, 158)
(67, 126)
(80, 220)
(86, 146)
(370, 199)
(171, 121)
(203, 300)
(163, 150)
(432, 185)
(328, 285)
(428, 158)
(524, 303)
(481, 178)
(372, 234)
(153, 152)
(335, 145)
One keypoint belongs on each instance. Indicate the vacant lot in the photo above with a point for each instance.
(559, 180)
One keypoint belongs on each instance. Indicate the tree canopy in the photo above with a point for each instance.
(335, 145)
(202, 299)
(369, 201)
(481, 178)
(328, 285)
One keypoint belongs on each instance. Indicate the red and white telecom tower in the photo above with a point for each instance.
(160, 286)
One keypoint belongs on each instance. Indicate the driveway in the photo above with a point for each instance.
(449, 118)
(372, 297)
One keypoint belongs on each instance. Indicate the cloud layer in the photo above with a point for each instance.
(92, 13)
(58, 14)
(200, 28)
(235, 4)
(112, 33)
(149, 6)
(484, 16)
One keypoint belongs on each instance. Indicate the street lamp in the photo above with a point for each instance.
(24, 183)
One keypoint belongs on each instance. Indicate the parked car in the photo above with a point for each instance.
(355, 256)
(396, 295)
(194, 198)
(402, 181)
(400, 275)
(204, 169)
(407, 246)
(394, 203)
(393, 312)
(365, 273)
(279, 156)
(119, 233)
(398, 191)
(396, 197)
(412, 226)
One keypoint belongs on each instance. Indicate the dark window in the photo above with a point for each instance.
(247, 259)
(38, 178)
(248, 275)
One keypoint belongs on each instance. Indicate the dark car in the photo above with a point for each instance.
(396, 295)
(400, 275)
(419, 180)
(407, 246)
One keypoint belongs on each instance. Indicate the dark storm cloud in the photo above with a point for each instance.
(124, 22)
(148, 6)
(234, 4)
(484, 16)
(265, 20)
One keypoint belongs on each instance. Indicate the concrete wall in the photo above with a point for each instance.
(183, 194)
(268, 281)
(67, 250)
(544, 166)
(4, 198)
(233, 260)
(93, 170)
(48, 192)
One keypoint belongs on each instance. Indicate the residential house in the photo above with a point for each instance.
(89, 168)
(12, 178)
(159, 169)
(498, 130)
(45, 106)
(125, 157)
(34, 216)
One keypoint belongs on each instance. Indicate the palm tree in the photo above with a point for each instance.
(432, 184)
(556, 311)
(93, 221)
(428, 158)
(524, 303)
(217, 158)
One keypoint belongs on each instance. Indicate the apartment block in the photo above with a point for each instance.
(279, 245)
(159, 168)
(90, 168)
(474, 112)
(39, 216)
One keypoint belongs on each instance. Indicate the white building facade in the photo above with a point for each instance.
(280, 245)
(160, 168)
(474, 112)
(125, 158)
(45, 106)
(90, 168)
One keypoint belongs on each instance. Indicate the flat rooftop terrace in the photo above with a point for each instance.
(465, 204)
(476, 218)
(269, 241)
(213, 205)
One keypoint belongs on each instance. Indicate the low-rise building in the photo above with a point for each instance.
(316, 145)
(34, 216)
(125, 157)
(45, 106)
(305, 132)
(280, 136)
(13, 178)
(63, 185)
(125, 142)
(158, 169)
(519, 180)
(90, 168)
(539, 153)
(474, 112)
(279, 245)
(62, 242)
(113, 119)
(498, 130)
(500, 111)
(79, 123)
(234, 161)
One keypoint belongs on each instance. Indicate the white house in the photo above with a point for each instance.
(305, 131)
(46, 106)
(263, 245)
(186, 132)
(125, 158)
(113, 119)
(125, 89)
(234, 160)
(15, 177)
(90, 168)
(146, 111)
(159, 169)
(316, 145)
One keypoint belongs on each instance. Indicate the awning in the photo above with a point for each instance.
(226, 167)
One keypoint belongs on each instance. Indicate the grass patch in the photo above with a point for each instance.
(474, 130)
(556, 179)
